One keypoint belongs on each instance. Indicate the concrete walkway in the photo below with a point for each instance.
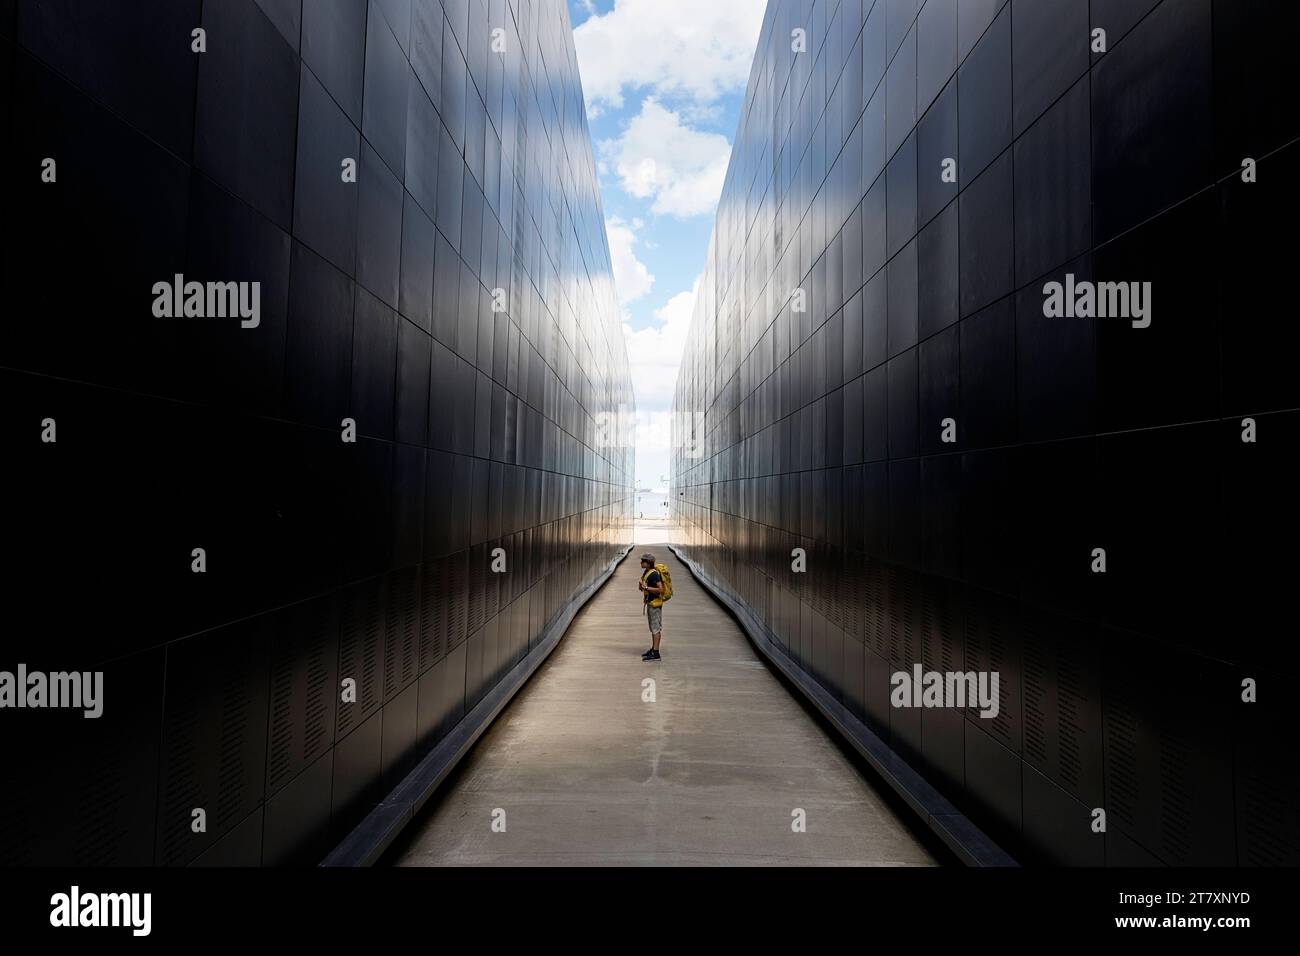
(587, 772)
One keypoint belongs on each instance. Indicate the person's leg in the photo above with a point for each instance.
(654, 617)
(649, 618)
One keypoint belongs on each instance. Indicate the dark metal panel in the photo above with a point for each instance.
(242, 846)
(219, 362)
(217, 699)
(303, 687)
(984, 99)
(333, 45)
(1168, 768)
(355, 785)
(993, 782)
(134, 58)
(325, 205)
(374, 368)
(286, 15)
(379, 228)
(385, 92)
(247, 108)
(297, 822)
(1053, 189)
(1049, 51)
(417, 264)
(318, 346)
(353, 554)
(986, 237)
(1058, 828)
(1143, 108)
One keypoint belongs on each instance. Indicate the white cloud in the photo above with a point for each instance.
(631, 277)
(655, 352)
(700, 115)
(687, 48)
(657, 157)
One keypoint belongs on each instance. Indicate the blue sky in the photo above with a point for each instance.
(664, 82)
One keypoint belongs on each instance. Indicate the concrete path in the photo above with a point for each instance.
(587, 772)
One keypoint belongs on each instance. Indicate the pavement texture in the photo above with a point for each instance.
(707, 766)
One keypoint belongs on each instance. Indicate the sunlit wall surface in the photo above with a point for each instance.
(478, 419)
(1101, 510)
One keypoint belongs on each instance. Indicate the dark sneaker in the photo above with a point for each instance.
(646, 655)
(652, 656)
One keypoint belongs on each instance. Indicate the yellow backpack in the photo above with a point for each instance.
(667, 580)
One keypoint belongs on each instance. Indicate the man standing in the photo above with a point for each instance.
(652, 586)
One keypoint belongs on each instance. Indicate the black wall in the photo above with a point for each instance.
(822, 429)
(326, 560)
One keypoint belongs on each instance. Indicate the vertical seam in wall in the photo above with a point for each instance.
(265, 639)
(1096, 412)
(293, 220)
(338, 594)
(192, 164)
(1221, 214)
(161, 762)
(1015, 389)
(162, 755)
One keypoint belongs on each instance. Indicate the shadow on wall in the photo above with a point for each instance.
(320, 537)
(938, 471)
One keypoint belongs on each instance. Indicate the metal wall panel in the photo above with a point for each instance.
(972, 551)
(328, 560)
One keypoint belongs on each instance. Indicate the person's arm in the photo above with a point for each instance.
(656, 588)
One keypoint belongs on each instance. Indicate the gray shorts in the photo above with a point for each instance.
(655, 617)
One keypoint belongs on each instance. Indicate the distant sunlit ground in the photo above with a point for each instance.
(654, 530)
